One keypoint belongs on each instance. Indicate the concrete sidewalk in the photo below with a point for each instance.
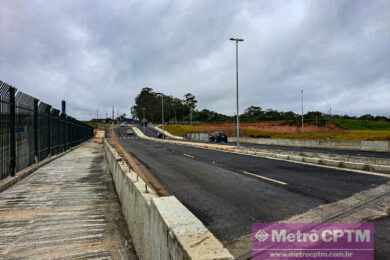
(67, 209)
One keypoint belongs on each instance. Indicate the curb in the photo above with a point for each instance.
(168, 134)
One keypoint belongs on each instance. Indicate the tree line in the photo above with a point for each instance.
(148, 106)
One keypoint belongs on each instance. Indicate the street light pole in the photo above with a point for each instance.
(162, 111)
(302, 108)
(143, 118)
(237, 104)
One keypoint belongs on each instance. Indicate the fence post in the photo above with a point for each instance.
(36, 142)
(64, 125)
(63, 107)
(49, 130)
(12, 121)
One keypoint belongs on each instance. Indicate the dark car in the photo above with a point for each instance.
(218, 137)
(160, 135)
(129, 132)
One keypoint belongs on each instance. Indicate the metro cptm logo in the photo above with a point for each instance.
(303, 241)
(261, 235)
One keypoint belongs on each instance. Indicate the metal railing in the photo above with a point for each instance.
(31, 131)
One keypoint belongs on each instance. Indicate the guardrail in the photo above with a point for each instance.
(31, 130)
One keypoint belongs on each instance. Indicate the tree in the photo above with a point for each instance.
(367, 117)
(190, 102)
(148, 106)
(252, 113)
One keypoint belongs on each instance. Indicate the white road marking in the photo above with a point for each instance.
(188, 155)
(341, 169)
(386, 175)
(264, 178)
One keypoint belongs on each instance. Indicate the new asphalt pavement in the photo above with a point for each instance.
(229, 192)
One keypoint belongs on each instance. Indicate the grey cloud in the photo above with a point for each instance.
(96, 54)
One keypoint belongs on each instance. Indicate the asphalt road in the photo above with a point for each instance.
(229, 192)
(384, 155)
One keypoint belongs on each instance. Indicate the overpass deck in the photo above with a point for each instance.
(67, 209)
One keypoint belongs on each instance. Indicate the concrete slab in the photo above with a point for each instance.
(67, 209)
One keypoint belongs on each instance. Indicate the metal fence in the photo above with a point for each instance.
(31, 130)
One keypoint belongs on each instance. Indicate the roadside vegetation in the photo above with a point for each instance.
(362, 124)
(182, 117)
(309, 134)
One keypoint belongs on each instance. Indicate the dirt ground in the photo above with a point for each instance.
(251, 128)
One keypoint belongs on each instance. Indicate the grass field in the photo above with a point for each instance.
(357, 130)
(357, 124)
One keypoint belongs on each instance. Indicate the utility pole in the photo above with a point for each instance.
(237, 40)
(330, 116)
(113, 114)
(190, 115)
(302, 107)
(162, 111)
(143, 122)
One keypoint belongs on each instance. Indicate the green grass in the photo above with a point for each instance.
(358, 124)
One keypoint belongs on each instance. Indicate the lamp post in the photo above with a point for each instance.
(237, 40)
(143, 118)
(162, 108)
(162, 111)
(302, 109)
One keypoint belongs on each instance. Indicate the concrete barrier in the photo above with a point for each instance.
(311, 160)
(166, 133)
(161, 227)
(379, 168)
(376, 146)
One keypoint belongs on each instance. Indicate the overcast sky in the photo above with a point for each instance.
(98, 53)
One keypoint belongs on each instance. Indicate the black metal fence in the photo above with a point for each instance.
(30, 130)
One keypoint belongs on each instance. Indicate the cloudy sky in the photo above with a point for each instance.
(96, 53)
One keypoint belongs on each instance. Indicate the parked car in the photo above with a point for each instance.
(123, 124)
(218, 137)
(144, 122)
(129, 132)
(160, 135)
